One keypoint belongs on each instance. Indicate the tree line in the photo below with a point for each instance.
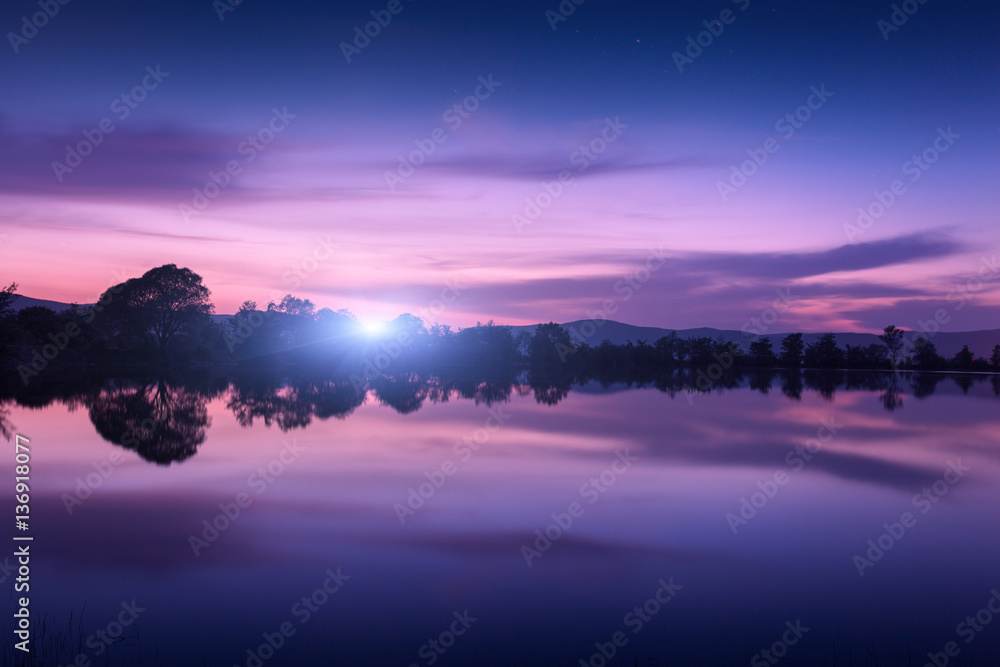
(165, 318)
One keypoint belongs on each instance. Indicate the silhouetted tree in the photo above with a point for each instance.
(791, 351)
(37, 322)
(995, 358)
(408, 324)
(667, 348)
(926, 357)
(164, 305)
(484, 346)
(550, 345)
(8, 328)
(762, 353)
(964, 360)
(870, 356)
(643, 355)
(7, 297)
(291, 305)
(892, 338)
(824, 353)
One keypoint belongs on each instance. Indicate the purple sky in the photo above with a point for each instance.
(661, 143)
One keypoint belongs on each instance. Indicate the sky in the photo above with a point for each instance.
(678, 164)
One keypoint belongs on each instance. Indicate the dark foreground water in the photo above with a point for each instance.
(805, 517)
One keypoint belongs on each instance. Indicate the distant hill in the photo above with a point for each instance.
(21, 302)
(948, 343)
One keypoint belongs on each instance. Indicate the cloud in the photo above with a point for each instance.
(857, 257)
(542, 166)
(690, 290)
(161, 160)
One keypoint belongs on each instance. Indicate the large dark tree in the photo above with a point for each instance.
(157, 310)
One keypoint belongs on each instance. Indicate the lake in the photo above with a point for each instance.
(809, 516)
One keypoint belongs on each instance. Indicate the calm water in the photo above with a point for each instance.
(650, 475)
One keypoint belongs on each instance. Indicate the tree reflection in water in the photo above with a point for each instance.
(162, 423)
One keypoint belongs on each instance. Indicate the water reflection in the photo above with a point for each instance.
(701, 447)
(290, 403)
(161, 422)
(165, 420)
